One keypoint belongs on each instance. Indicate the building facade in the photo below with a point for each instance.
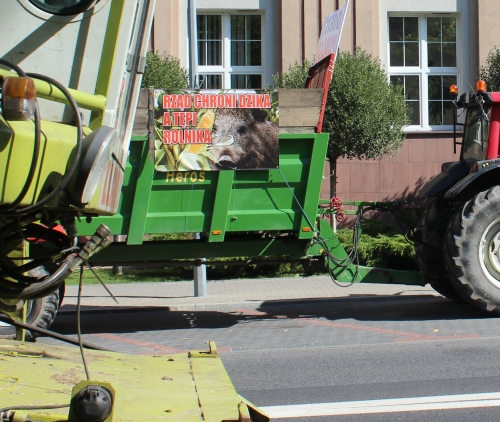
(424, 46)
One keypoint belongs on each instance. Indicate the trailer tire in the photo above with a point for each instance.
(429, 249)
(472, 251)
(40, 312)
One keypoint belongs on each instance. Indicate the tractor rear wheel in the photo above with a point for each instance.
(472, 252)
(429, 248)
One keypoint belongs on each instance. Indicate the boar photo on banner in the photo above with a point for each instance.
(216, 130)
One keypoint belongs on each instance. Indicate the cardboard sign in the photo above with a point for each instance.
(331, 31)
(216, 130)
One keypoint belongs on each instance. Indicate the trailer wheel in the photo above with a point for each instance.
(429, 248)
(40, 312)
(472, 252)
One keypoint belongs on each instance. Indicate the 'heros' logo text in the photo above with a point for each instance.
(185, 176)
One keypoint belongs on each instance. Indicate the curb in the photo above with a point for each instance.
(226, 307)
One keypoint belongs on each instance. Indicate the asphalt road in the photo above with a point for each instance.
(368, 351)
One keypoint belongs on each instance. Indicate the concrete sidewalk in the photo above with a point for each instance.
(233, 294)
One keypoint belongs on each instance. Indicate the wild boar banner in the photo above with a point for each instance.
(216, 130)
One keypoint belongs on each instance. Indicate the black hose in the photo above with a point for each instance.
(43, 288)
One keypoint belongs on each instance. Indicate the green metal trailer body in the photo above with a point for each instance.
(220, 203)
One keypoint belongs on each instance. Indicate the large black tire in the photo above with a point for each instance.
(429, 243)
(472, 252)
(40, 312)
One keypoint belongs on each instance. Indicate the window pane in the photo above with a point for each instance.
(210, 81)
(254, 81)
(254, 27)
(414, 112)
(449, 55)
(448, 113)
(397, 55)
(246, 81)
(395, 29)
(214, 27)
(209, 40)
(238, 53)
(441, 106)
(434, 29)
(449, 29)
(254, 52)
(404, 42)
(237, 27)
(442, 37)
(435, 113)
(435, 88)
(434, 55)
(214, 53)
(238, 82)
(411, 54)
(202, 54)
(411, 89)
(411, 29)
(202, 27)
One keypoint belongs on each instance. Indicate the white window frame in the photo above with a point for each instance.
(423, 70)
(226, 70)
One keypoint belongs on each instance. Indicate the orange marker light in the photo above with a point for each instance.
(481, 86)
(454, 90)
(18, 98)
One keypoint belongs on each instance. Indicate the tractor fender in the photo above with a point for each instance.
(487, 176)
(443, 181)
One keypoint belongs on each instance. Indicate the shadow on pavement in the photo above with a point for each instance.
(403, 308)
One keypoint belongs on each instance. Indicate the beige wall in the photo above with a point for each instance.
(488, 15)
(165, 37)
(391, 178)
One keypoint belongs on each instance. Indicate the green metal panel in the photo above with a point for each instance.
(221, 206)
(141, 199)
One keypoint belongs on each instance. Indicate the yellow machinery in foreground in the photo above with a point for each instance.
(63, 152)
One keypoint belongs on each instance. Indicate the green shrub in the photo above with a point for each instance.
(379, 246)
(164, 71)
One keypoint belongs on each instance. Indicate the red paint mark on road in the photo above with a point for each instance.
(402, 336)
(158, 347)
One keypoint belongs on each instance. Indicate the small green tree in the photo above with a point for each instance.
(365, 114)
(295, 78)
(491, 71)
(164, 71)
